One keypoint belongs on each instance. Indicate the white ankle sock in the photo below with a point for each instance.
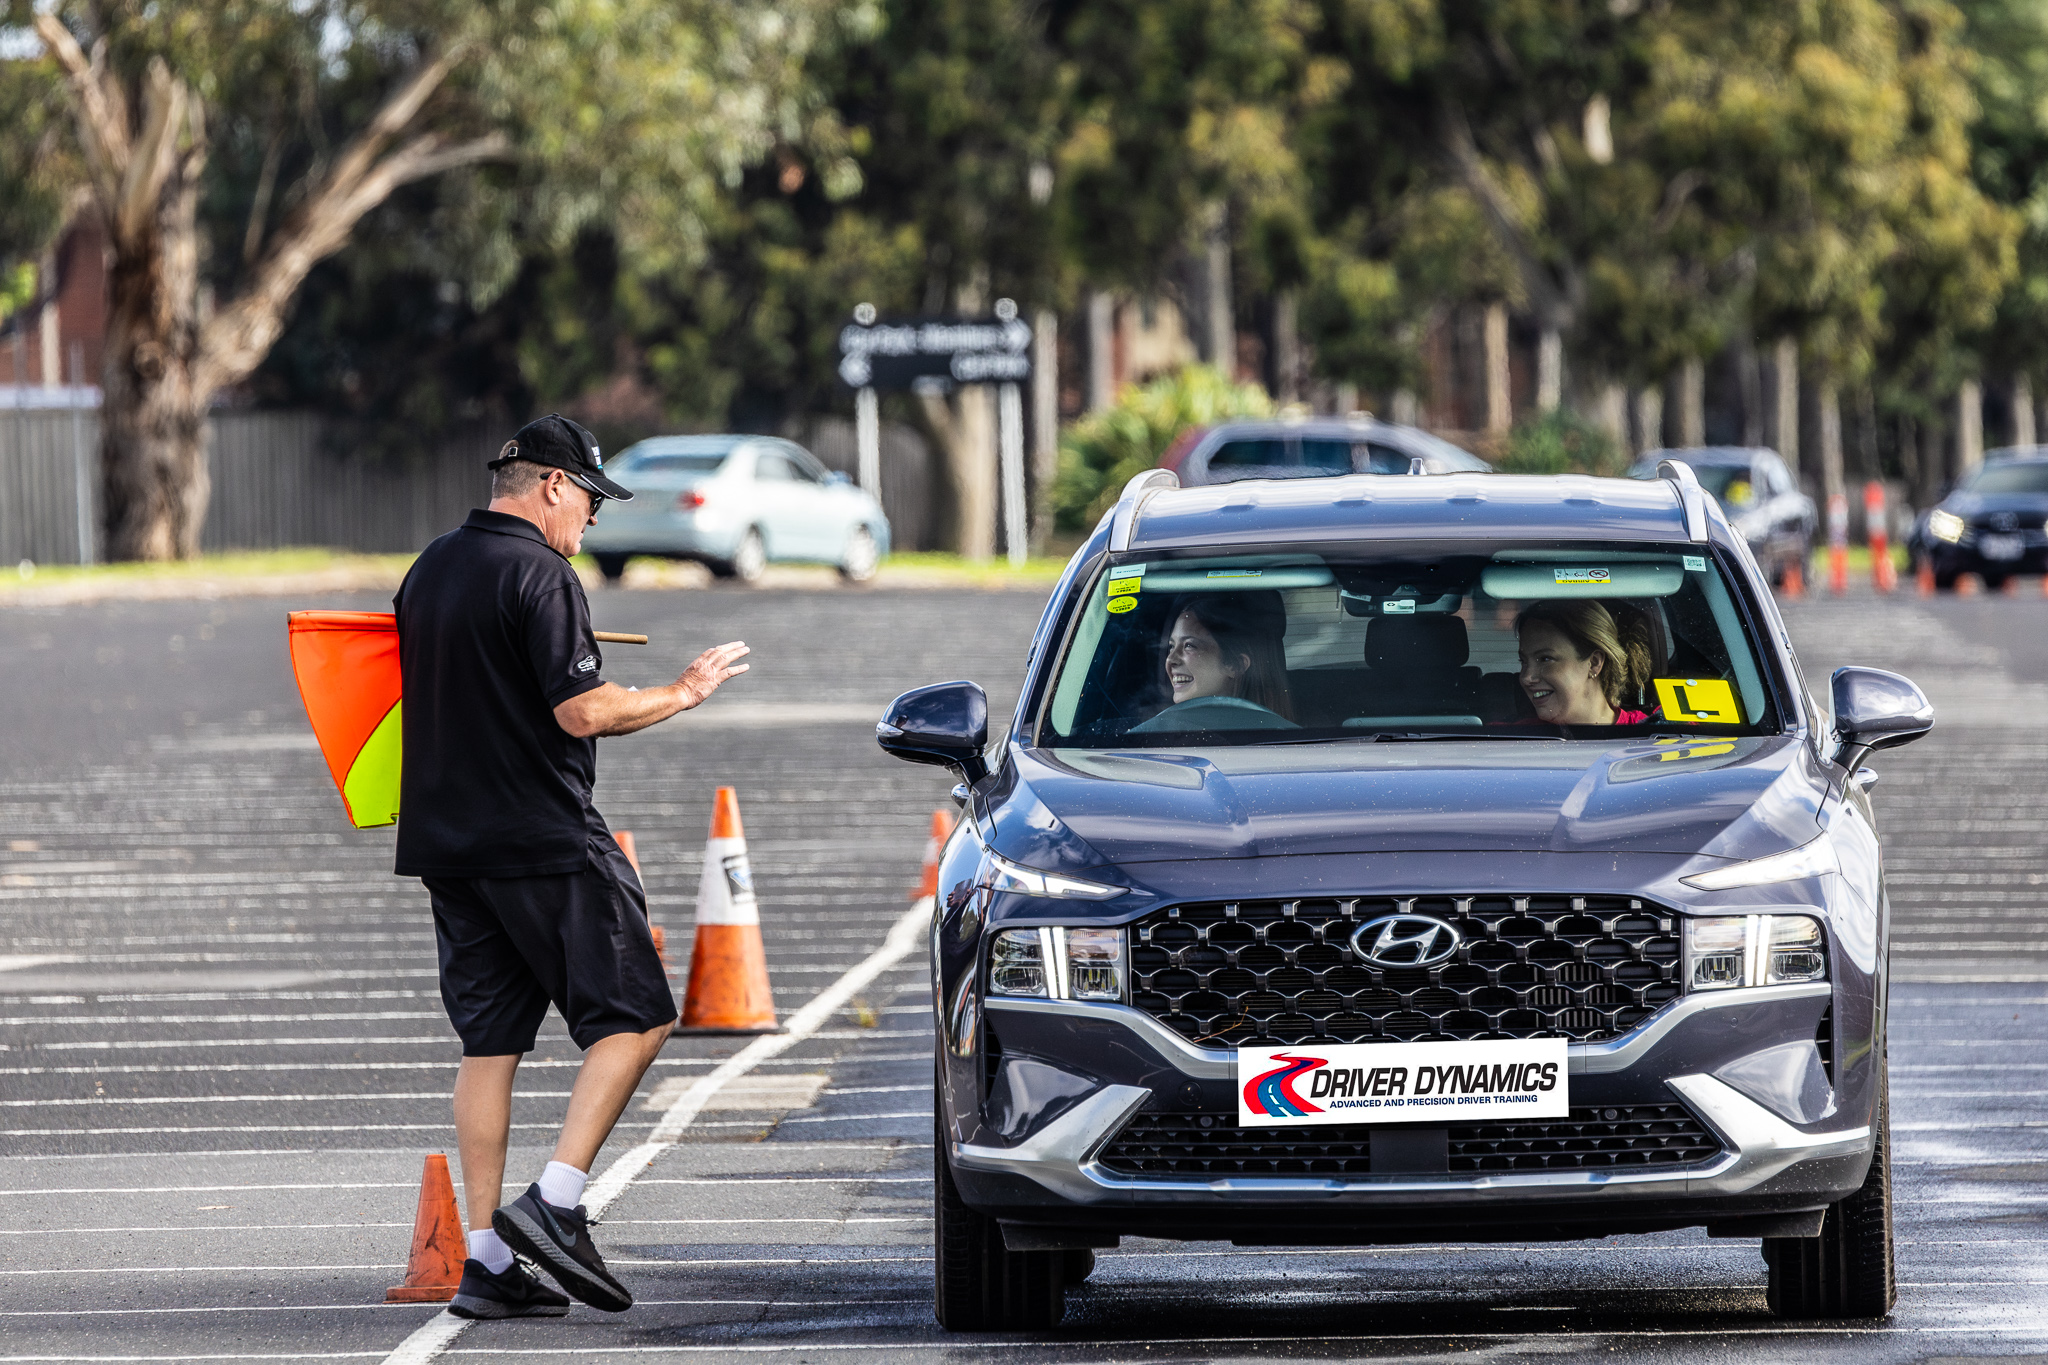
(562, 1184)
(485, 1245)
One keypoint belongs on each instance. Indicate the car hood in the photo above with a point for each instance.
(1977, 505)
(1075, 809)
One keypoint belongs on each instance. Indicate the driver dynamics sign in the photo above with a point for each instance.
(1454, 1082)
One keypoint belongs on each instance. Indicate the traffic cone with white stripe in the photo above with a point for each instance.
(942, 830)
(728, 990)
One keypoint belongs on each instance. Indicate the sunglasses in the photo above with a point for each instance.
(597, 499)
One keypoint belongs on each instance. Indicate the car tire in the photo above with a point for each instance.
(612, 566)
(978, 1284)
(862, 558)
(1945, 582)
(1995, 582)
(750, 557)
(1848, 1271)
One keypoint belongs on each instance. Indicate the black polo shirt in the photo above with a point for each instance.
(493, 634)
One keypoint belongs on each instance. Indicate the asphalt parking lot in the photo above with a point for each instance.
(222, 1053)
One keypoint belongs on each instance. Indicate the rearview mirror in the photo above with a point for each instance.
(1876, 710)
(945, 723)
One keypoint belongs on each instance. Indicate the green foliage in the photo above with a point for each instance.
(1102, 452)
(1560, 442)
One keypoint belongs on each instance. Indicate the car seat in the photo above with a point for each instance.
(1416, 666)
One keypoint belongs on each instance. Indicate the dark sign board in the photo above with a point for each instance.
(942, 353)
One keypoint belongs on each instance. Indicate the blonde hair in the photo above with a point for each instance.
(1593, 629)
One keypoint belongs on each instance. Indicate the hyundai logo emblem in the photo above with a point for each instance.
(1405, 941)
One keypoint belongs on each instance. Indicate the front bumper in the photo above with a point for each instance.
(1769, 1165)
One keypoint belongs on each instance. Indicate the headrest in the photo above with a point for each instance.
(1416, 644)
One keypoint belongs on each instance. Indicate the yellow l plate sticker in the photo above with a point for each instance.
(1121, 587)
(1119, 605)
(1707, 700)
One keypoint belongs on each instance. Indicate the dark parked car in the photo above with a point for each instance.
(1994, 525)
(1314, 447)
(1762, 499)
(1279, 916)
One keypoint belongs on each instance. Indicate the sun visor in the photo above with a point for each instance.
(1589, 576)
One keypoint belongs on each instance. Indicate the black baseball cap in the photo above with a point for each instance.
(561, 444)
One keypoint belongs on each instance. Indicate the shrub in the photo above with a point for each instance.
(1560, 442)
(1104, 450)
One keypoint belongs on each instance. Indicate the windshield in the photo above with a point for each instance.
(657, 465)
(1391, 640)
(1731, 485)
(2028, 477)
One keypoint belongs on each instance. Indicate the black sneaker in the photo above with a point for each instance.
(509, 1293)
(559, 1241)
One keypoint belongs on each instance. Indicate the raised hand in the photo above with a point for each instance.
(711, 668)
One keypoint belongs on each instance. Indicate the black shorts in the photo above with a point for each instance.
(510, 945)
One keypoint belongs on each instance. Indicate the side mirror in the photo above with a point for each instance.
(1876, 710)
(945, 723)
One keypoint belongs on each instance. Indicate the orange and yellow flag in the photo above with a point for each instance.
(346, 663)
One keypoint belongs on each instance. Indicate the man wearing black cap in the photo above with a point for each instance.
(533, 902)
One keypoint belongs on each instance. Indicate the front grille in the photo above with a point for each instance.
(1283, 972)
(1196, 1146)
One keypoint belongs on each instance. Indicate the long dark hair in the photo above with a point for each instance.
(1252, 626)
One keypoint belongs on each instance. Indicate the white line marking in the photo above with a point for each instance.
(905, 936)
(95, 1100)
(874, 1089)
(322, 1017)
(206, 1227)
(209, 1189)
(196, 1269)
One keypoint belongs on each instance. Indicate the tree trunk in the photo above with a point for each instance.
(1500, 414)
(1969, 428)
(1692, 403)
(1101, 350)
(1221, 326)
(2022, 410)
(153, 481)
(1833, 483)
(1549, 368)
(1045, 422)
(1649, 418)
(1286, 349)
(1785, 405)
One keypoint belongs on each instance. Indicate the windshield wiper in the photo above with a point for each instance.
(1409, 736)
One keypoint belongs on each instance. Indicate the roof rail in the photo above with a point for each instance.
(1125, 516)
(1690, 496)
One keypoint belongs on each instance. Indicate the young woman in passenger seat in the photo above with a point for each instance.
(1580, 666)
(1227, 645)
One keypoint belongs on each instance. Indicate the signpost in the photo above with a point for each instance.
(938, 355)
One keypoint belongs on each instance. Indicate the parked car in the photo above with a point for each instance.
(1345, 950)
(1761, 498)
(1312, 447)
(736, 504)
(1994, 525)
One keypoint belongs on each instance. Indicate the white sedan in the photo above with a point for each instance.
(736, 504)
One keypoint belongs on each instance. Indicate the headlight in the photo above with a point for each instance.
(1058, 963)
(1945, 526)
(1808, 860)
(1723, 952)
(1016, 963)
(1000, 874)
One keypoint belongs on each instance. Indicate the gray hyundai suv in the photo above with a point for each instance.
(1410, 859)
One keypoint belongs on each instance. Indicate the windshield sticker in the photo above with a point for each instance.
(1695, 563)
(1709, 701)
(1234, 573)
(1398, 607)
(1119, 605)
(1123, 587)
(1583, 576)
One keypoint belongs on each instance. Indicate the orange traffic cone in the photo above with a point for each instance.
(1795, 579)
(434, 1268)
(1923, 578)
(624, 839)
(942, 830)
(728, 991)
(1968, 585)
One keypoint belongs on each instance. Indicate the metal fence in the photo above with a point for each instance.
(278, 483)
